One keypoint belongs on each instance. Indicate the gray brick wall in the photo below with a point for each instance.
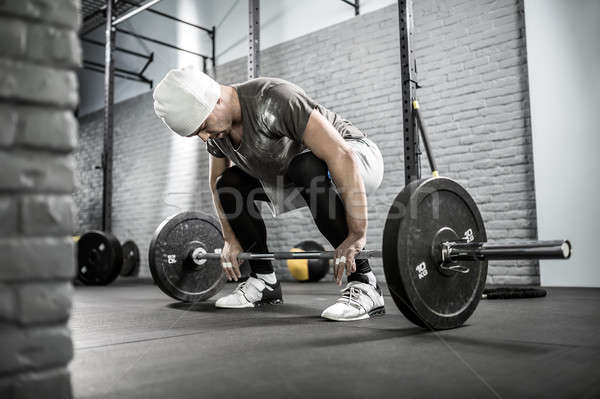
(472, 64)
(38, 133)
(88, 191)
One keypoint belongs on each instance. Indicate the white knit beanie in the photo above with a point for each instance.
(184, 98)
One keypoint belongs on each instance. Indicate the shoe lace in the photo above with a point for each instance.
(240, 287)
(351, 294)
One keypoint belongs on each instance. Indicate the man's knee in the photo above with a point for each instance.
(305, 167)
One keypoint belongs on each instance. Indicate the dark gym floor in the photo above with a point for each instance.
(132, 341)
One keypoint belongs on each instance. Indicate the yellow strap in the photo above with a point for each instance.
(435, 173)
(415, 104)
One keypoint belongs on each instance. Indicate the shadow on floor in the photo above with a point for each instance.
(209, 307)
(518, 347)
(364, 335)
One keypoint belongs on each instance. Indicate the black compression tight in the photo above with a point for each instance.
(237, 192)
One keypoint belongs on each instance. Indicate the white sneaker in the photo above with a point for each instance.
(252, 292)
(359, 301)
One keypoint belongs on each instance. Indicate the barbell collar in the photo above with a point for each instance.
(197, 256)
(462, 251)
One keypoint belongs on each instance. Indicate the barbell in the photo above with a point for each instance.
(434, 250)
(448, 251)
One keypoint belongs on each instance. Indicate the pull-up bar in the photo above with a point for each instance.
(210, 32)
(156, 41)
(134, 12)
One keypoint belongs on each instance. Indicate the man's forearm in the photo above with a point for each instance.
(345, 172)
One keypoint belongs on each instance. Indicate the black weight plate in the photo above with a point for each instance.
(99, 258)
(172, 270)
(131, 259)
(426, 295)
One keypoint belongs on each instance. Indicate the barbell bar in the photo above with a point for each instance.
(449, 252)
(198, 255)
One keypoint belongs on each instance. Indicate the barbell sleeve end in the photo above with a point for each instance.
(567, 249)
(463, 251)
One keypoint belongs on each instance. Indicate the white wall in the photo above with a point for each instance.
(563, 44)
(281, 20)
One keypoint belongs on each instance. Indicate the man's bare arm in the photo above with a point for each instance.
(231, 246)
(327, 144)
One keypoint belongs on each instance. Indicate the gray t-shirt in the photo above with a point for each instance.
(274, 116)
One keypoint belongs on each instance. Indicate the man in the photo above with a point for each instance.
(268, 141)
